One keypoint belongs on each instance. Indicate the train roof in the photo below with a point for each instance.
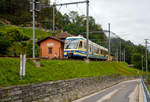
(90, 42)
(75, 37)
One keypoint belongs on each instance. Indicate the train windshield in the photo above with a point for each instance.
(71, 43)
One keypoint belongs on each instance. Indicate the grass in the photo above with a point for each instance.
(147, 82)
(148, 86)
(53, 70)
(40, 34)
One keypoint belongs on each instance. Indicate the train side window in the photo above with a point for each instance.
(84, 45)
(90, 48)
(97, 51)
(93, 49)
(101, 51)
(80, 44)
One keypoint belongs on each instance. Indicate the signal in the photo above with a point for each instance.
(35, 5)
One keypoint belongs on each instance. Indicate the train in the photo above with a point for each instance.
(75, 47)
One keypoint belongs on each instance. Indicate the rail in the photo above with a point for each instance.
(146, 93)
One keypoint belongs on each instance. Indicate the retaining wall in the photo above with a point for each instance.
(59, 91)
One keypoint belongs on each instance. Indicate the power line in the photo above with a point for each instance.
(71, 3)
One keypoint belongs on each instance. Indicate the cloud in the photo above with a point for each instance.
(130, 17)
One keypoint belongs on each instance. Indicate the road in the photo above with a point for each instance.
(128, 91)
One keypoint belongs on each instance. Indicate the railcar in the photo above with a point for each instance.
(75, 47)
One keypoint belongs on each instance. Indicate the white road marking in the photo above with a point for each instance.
(108, 96)
(141, 97)
(86, 97)
(133, 95)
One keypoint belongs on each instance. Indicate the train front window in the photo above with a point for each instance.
(71, 44)
(80, 45)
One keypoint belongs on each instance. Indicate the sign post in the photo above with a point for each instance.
(22, 65)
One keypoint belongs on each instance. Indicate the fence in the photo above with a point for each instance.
(146, 92)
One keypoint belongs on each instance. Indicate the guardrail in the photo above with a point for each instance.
(146, 93)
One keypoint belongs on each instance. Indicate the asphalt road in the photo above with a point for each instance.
(127, 91)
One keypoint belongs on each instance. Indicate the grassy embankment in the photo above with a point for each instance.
(148, 86)
(148, 83)
(40, 34)
(52, 70)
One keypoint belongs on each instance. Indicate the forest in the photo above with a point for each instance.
(16, 13)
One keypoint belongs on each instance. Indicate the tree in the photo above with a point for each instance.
(29, 49)
(4, 45)
(17, 39)
(136, 60)
(15, 34)
(76, 25)
(15, 11)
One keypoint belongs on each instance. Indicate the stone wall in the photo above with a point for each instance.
(59, 91)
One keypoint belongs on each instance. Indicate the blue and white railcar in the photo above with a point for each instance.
(75, 47)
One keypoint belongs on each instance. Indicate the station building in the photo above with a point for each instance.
(53, 46)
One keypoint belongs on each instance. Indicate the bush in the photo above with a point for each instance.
(136, 60)
(4, 45)
(16, 35)
(29, 48)
(1, 23)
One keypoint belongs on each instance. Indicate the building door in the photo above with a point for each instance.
(50, 51)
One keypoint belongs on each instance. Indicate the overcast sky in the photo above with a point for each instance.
(130, 19)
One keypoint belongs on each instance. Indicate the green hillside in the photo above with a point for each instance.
(27, 31)
(58, 70)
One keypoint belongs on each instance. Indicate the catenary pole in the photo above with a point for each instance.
(146, 41)
(109, 41)
(142, 63)
(87, 28)
(117, 54)
(33, 17)
(120, 51)
(54, 5)
(124, 54)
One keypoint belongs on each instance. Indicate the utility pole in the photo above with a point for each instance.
(120, 51)
(142, 64)
(117, 55)
(124, 55)
(87, 27)
(54, 6)
(109, 41)
(146, 42)
(33, 17)
(34, 6)
(48, 16)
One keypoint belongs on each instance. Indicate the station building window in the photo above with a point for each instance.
(50, 50)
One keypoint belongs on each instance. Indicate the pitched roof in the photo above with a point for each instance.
(62, 35)
(50, 37)
(59, 37)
